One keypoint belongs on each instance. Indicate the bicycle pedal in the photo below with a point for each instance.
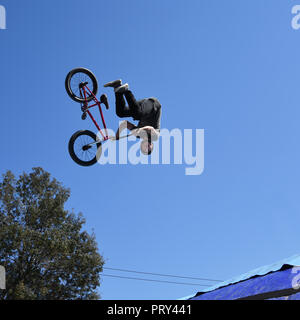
(103, 99)
(84, 107)
(83, 117)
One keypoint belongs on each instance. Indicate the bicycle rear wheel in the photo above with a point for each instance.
(83, 149)
(74, 82)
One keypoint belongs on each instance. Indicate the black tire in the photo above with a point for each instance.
(74, 78)
(82, 157)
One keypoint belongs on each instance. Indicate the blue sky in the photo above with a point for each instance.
(228, 67)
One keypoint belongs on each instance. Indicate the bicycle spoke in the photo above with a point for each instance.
(78, 78)
(90, 152)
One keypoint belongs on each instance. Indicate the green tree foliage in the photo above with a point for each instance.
(42, 246)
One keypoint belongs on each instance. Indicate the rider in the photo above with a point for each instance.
(147, 111)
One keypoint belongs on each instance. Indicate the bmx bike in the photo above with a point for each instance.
(85, 147)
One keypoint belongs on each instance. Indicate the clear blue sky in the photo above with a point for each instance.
(230, 67)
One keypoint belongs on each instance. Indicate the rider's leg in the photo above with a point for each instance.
(134, 105)
(121, 110)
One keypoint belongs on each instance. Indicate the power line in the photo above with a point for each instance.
(141, 279)
(162, 275)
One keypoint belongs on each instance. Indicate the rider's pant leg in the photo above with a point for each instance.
(121, 110)
(134, 105)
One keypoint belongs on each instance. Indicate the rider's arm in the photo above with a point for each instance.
(124, 124)
(148, 129)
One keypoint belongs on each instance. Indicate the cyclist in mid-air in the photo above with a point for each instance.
(147, 111)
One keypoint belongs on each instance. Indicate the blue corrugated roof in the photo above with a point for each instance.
(292, 261)
(277, 281)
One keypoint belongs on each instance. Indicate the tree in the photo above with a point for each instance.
(42, 246)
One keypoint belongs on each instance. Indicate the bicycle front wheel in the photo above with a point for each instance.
(74, 82)
(85, 148)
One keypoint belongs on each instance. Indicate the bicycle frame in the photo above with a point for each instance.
(86, 108)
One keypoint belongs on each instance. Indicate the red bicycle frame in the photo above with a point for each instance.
(86, 108)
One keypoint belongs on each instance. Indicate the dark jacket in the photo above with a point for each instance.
(150, 113)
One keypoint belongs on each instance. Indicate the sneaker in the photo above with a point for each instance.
(122, 89)
(104, 100)
(114, 84)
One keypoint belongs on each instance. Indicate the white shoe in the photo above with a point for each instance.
(122, 88)
(114, 84)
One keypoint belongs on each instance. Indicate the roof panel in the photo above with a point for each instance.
(262, 287)
(288, 262)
